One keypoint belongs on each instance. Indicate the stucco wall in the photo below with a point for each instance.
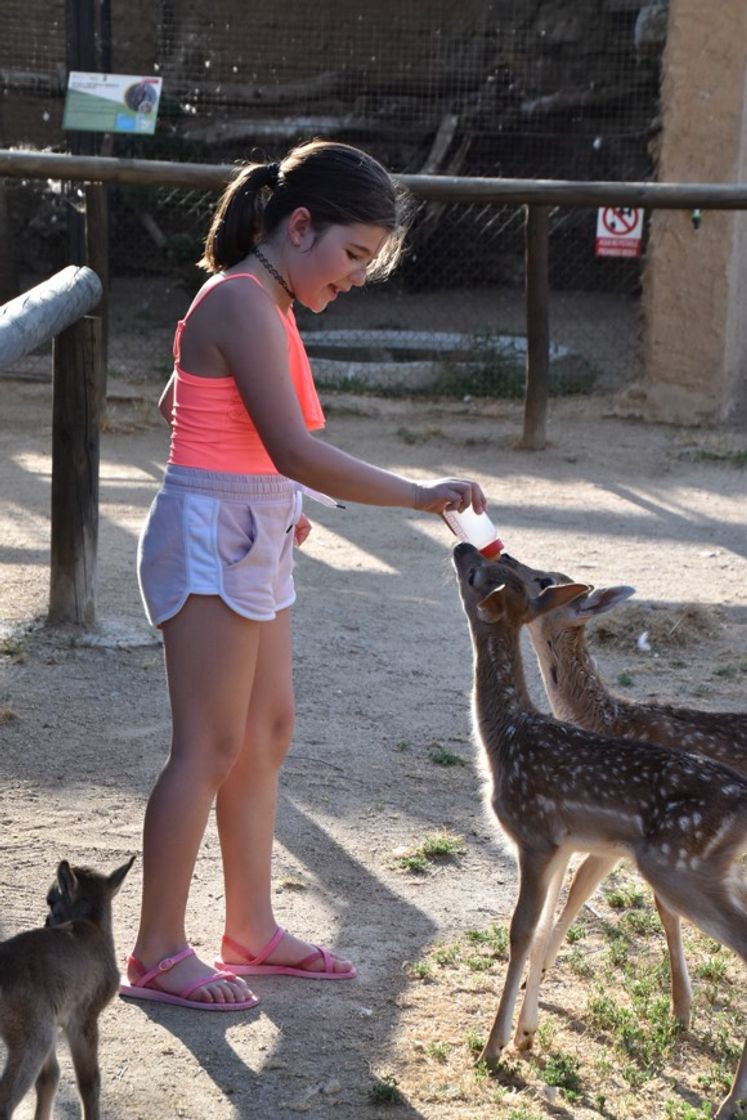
(695, 281)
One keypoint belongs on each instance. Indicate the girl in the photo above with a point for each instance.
(215, 558)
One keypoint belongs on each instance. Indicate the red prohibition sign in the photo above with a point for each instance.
(620, 222)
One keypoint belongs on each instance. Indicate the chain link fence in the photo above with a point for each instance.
(562, 89)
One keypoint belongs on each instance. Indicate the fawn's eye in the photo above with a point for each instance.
(471, 577)
(543, 583)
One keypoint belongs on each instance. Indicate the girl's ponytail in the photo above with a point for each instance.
(335, 182)
(237, 223)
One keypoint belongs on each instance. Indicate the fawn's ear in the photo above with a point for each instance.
(600, 600)
(66, 879)
(556, 596)
(117, 877)
(493, 606)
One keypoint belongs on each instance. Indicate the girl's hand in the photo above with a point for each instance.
(302, 530)
(450, 493)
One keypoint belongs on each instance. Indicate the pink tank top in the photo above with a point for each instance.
(211, 428)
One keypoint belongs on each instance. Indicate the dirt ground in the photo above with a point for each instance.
(383, 676)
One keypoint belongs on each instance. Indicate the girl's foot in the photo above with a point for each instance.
(282, 953)
(185, 973)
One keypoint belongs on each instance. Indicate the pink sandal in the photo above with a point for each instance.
(255, 966)
(147, 986)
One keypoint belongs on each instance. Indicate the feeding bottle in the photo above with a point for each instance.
(475, 528)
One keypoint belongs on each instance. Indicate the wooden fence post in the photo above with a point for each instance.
(538, 328)
(76, 413)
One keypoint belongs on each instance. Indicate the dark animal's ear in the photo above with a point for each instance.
(493, 606)
(556, 596)
(66, 880)
(117, 877)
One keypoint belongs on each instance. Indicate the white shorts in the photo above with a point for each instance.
(230, 535)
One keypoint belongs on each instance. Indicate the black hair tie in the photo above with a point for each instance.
(273, 175)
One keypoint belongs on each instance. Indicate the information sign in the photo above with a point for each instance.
(111, 103)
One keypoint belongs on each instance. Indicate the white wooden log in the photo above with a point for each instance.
(34, 318)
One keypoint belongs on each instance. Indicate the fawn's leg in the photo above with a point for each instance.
(536, 873)
(46, 1087)
(682, 996)
(245, 807)
(529, 1013)
(738, 1091)
(83, 1036)
(587, 878)
(28, 1050)
(706, 898)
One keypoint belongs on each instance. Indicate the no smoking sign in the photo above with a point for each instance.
(619, 230)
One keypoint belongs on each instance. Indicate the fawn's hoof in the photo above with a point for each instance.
(524, 1040)
(490, 1057)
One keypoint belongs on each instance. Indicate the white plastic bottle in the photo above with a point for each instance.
(475, 528)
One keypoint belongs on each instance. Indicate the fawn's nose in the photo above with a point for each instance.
(463, 548)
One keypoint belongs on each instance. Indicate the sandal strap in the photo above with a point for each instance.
(263, 953)
(327, 960)
(212, 979)
(164, 966)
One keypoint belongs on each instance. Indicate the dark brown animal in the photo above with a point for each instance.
(60, 976)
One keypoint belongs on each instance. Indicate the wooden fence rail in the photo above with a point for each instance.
(536, 195)
(58, 310)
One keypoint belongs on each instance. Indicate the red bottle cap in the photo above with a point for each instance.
(493, 549)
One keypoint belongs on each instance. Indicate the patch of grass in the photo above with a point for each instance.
(524, 1112)
(435, 848)
(7, 715)
(561, 1070)
(440, 756)
(384, 1090)
(625, 680)
(439, 1051)
(645, 1033)
(579, 963)
(414, 862)
(625, 896)
(442, 845)
(494, 939)
(681, 1110)
(403, 745)
(712, 968)
(446, 954)
(474, 1042)
(640, 922)
(418, 970)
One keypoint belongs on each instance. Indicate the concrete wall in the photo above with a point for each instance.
(695, 281)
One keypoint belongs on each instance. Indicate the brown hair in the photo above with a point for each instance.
(337, 183)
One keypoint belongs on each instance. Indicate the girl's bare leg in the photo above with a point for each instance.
(246, 804)
(211, 654)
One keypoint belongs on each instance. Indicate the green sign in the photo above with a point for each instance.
(111, 103)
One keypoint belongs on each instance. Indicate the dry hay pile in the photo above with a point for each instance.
(666, 627)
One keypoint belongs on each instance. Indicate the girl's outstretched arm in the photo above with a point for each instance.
(254, 347)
